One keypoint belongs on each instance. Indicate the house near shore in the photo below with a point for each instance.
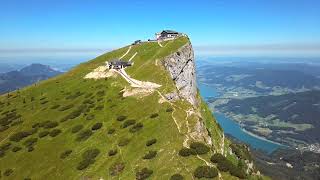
(118, 64)
(167, 34)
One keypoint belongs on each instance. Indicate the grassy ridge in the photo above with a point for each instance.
(71, 124)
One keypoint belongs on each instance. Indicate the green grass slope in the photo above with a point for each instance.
(69, 127)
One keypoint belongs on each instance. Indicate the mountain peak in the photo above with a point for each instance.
(105, 120)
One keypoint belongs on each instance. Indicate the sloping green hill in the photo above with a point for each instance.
(69, 127)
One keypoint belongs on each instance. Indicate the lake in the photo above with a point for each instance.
(232, 127)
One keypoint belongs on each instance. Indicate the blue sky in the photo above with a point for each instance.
(229, 26)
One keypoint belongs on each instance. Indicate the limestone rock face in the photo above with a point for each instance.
(181, 67)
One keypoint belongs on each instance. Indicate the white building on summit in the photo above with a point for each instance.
(167, 34)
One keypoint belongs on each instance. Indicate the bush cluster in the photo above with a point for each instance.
(55, 106)
(112, 152)
(96, 126)
(199, 147)
(65, 154)
(100, 93)
(169, 109)
(30, 142)
(90, 117)
(176, 177)
(136, 127)
(7, 172)
(111, 131)
(30, 149)
(151, 142)
(143, 174)
(226, 165)
(128, 123)
(150, 155)
(43, 133)
(19, 136)
(99, 108)
(121, 118)
(16, 149)
(184, 152)
(75, 95)
(123, 142)
(55, 132)
(48, 124)
(64, 108)
(5, 146)
(84, 135)
(241, 150)
(76, 128)
(116, 168)
(88, 157)
(205, 172)
(154, 115)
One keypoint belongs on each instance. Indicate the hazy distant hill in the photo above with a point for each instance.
(261, 80)
(26, 76)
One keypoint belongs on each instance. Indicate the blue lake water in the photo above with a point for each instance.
(232, 127)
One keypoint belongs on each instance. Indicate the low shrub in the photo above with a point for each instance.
(226, 165)
(199, 147)
(176, 177)
(128, 123)
(154, 115)
(44, 102)
(84, 135)
(143, 174)
(76, 128)
(116, 168)
(99, 108)
(238, 172)
(64, 108)
(2, 153)
(30, 142)
(112, 152)
(7, 172)
(43, 134)
(169, 109)
(217, 157)
(49, 124)
(150, 155)
(16, 149)
(90, 117)
(5, 146)
(19, 136)
(3, 128)
(205, 172)
(121, 118)
(30, 149)
(88, 158)
(151, 142)
(55, 106)
(65, 154)
(184, 152)
(100, 93)
(111, 131)
(96, 126)
(55, 132)
(123, 142)
(136, 127)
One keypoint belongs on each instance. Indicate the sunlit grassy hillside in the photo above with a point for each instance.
(69, 127)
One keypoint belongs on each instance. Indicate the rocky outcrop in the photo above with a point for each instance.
(181, 67)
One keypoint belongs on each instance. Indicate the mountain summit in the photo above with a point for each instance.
(133, 113)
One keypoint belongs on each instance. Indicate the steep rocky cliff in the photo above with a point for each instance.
(181, 67)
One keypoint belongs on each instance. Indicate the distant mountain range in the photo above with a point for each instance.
(33, 73)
